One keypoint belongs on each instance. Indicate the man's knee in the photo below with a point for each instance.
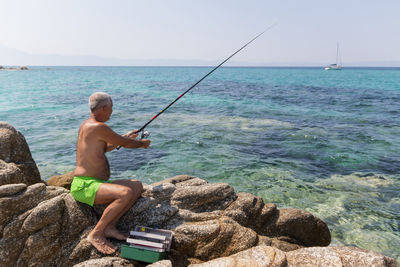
(126, 193)
(137, 187)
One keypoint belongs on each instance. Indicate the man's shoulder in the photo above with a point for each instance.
(93, 125)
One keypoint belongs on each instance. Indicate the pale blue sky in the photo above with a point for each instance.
(307, 30)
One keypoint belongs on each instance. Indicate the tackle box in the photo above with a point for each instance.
(147, 244)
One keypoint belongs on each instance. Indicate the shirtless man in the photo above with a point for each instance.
(91, 184)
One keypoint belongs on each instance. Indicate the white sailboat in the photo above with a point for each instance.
(338, 64)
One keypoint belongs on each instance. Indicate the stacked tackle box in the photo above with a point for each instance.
(147, 244)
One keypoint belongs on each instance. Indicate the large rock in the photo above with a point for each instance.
(41, 225)
(63, 180)
(256, 256)
(106, 262)
(316, 256)
(16, 162)
(338, 256)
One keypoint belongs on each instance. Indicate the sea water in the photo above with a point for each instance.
(323, 141)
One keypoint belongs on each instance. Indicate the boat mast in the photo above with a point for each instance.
(338, 56)
(337, 53)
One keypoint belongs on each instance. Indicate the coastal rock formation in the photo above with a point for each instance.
(209, 221)
(14, 68)
(16, 162)
(40, 225)
(204, 216)
(43, 225)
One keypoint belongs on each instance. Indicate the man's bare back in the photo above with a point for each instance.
(90, 151)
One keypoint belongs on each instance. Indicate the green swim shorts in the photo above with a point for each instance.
(84, 188)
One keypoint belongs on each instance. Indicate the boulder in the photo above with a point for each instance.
(107, 262)
(163, 263)
(41, 225)
(11, 189)
(338, 256)
(16, 162)
(256, 256)
(63, 180)
(316, 256)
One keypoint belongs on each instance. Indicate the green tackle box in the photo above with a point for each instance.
(141, 254)
(147, 244)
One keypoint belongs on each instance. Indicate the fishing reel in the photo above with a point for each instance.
(144, 135)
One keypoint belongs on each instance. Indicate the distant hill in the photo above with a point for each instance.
(14, 57)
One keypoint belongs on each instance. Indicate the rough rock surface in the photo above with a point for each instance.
(316, 256)
(41, 226)
(16, 162)
(163, 263)
(63, 180)
(106, 262)
(337, 256)
(44, 225)
(256, 256)
(204, 216)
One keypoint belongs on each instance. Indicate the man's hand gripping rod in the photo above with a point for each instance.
(205, 76)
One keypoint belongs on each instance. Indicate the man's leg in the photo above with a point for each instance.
(137, 189)
(119, 197)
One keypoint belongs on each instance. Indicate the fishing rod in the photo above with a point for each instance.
(146, 133)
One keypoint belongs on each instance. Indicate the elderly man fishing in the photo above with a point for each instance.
(91, 184)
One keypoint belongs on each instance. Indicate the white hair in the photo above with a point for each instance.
(99, 100)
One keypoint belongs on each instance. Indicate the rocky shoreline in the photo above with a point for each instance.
(14, 68)
(42, 225)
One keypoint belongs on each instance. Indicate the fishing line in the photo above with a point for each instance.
(146, 134)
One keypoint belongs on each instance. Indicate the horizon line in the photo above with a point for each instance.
(209, 66)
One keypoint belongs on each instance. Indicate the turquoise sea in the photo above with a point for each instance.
(323, 141)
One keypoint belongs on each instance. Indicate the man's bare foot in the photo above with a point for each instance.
(99, 241)
(112, 232)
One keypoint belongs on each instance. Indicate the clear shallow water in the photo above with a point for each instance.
(323, 141)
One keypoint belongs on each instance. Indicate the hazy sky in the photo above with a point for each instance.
(307, 30)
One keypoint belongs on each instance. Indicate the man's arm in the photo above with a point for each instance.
(127, 140)
(132, 134)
